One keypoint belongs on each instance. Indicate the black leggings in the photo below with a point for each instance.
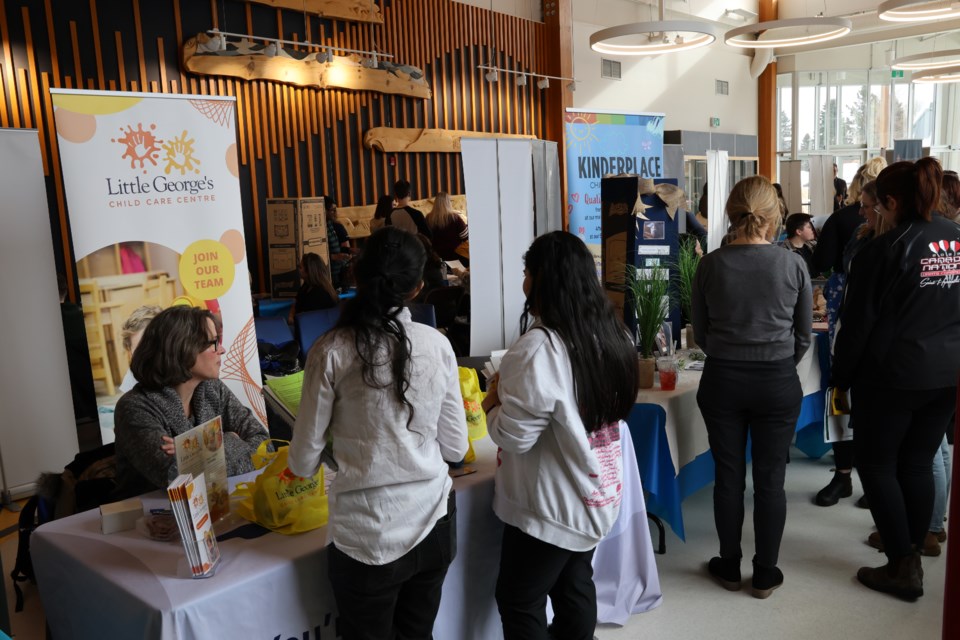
(843, 455)
(897, 435)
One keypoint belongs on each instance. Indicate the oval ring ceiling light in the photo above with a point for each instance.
(653, 38)
(930, 60)
(795, 32)
(917, 10)
(943, 75)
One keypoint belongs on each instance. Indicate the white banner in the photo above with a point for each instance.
(38, 432)
(153, 194)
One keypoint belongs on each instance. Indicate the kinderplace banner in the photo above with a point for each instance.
(153, 196)
(606, 143)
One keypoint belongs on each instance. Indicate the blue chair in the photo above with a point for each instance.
(310, 325)
(273, 329)
(423, 313)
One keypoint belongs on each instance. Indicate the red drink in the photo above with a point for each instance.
(668, 380)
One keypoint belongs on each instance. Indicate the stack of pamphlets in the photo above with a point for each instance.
(188, 500)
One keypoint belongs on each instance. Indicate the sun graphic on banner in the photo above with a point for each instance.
(580, 134)
(139, 146)
(179, 155)
(244, 348)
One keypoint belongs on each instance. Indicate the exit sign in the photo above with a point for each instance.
(896, 73)
(714, 122)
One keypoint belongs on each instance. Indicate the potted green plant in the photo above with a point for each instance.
(686, 268)
(648, 293)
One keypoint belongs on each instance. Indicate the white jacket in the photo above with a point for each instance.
(392, 484)
(554, 481)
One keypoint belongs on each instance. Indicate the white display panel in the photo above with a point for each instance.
(38, 432)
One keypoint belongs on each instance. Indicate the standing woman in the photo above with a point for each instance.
(557, 424)
(753, 337)
(898, 348)
(386, 392)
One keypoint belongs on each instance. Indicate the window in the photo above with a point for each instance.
(784, 109)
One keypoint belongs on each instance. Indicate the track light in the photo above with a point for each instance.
(271, 49)
(491, 76)
(543, 83)
(521, 80)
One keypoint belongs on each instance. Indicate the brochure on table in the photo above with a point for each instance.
(188, 500)
(200, 453)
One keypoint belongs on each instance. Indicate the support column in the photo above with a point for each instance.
(558, 17)
(767, 105)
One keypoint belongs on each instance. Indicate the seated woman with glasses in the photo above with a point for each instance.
(177, 364)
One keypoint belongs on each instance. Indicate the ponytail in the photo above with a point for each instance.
(929, 179)
(915, 186)
(753, 206)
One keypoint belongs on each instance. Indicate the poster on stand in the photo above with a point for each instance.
(152, 189)
(600, 144)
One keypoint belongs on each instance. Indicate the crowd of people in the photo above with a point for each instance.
(386, 391)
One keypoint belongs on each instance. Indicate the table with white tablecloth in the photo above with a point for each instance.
(124, 585)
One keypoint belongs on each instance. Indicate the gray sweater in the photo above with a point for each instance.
(143, 417)
(753, 303)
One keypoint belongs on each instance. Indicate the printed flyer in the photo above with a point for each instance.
(153, 194)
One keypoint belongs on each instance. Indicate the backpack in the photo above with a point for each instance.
(85, 483)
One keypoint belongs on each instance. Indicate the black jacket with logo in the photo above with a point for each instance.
(900, 323)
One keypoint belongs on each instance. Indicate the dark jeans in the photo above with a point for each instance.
(401, 598)
(897, 434)
(761, 399)
(530, 570)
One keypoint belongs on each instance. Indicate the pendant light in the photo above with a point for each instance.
(917, 10)
(654, 37)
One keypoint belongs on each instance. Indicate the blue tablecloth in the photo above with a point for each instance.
(666, 489)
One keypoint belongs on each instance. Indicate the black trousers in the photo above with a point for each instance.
(843, 454)
(761, 399)
(398, 600)
(530, 570)
(898, 432)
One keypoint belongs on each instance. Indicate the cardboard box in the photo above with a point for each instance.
(120, 516)
(295, 226)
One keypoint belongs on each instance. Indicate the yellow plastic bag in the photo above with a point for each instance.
(285, 506)
(472, 407)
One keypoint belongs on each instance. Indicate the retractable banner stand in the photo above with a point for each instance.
(717, 192)
(153, 196)
(606, 144)
(37, 432)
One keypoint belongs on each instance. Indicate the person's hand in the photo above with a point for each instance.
(167, 445)
(492, 399)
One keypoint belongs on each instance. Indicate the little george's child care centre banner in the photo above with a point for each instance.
(153, 195)
(599, 144)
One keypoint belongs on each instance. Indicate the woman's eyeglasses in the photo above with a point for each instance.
(215, 343)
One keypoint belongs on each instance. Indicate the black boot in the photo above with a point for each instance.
(840, 487)
(902, 577)
(725, 571)
(765, 580)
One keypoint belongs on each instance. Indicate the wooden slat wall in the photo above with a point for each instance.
(292, 141)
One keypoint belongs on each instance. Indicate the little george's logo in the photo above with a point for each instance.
(943, 268)
(146, 151)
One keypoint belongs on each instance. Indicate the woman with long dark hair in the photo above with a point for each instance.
(753, 337)
(385, 392)
(898, 349)
(316, 291)
(556, 420)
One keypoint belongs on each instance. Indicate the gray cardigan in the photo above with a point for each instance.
(143, 417)
(752, 302)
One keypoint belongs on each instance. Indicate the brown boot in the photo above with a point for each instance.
(931, 545)
(941, 535)
(902, 577)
